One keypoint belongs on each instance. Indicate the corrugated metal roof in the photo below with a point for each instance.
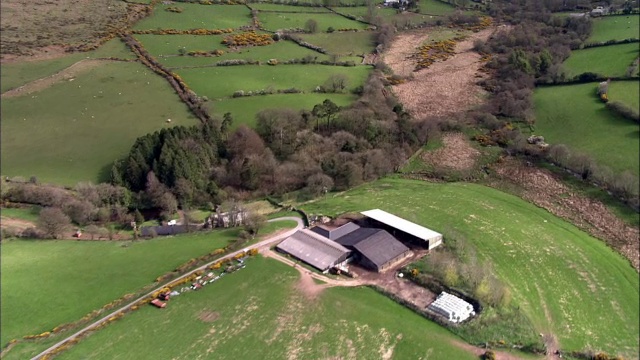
(380, 247)
(355, 237)
(335, 233)
(313, 249)
(401, 224)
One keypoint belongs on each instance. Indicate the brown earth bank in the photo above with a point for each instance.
(456, 153)
(446, 87)
(546, 190)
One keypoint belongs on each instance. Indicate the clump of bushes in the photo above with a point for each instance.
(623, 110)
(174, 9)
(438, 51)
(182, 32)
(201, 53)
(249, 38)
(235, 62)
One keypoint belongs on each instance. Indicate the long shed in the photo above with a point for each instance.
(314, 249)
(394, 222)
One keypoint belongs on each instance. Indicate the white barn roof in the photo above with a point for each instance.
(313, 249)
(399, 223)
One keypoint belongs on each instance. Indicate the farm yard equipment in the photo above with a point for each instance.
(159, 304)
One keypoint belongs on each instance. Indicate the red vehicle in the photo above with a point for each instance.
(159, 304)
(164, 296)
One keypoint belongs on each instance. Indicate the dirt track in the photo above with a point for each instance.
(66, 74)
(445, 87)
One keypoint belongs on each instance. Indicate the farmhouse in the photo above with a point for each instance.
(375, 249)
(452, 307)
(314, 249)
(399, 226)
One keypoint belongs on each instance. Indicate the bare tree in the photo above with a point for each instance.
(254, 222)
(336, 83)
(311, 26)
(53, 222)
(319, 184)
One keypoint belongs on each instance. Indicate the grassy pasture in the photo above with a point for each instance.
(83, 276)
(573, 115)
(159, 45)
(196, 16)
(275, 21)
(435, 7)
(13, 75)
(605, 60)
(244, 109)
(343, 43)
(28, 214)
(288, 8)
(73, 131)
(615, 28)
(259, 314)
(589, 292)
(282, 50)
(221, 82)
(627, 92)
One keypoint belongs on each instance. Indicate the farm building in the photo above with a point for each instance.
(333, 233)
(452, 307)
(399, 226)
(314, 249)
(374, 248)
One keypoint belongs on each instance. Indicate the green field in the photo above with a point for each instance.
(276, 21)
(28, 214)
(573, 115)
(160, 45)
(195, 16)
(282, 51)
(589, 292)
(615, 28)
(288, 8)
(244, 109)
(13, 75)
(605, 60)
(221, 82)
(73, 131)
(344, 43)
(627, 92)
(259, 314)
(84, 276)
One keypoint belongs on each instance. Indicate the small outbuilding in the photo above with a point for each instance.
(333, 233)
(314, 249)
(452, 307)
(397, 225)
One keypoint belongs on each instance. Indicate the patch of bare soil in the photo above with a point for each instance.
(544, 189)
(456, 153)
(309, 288)
(67, 74)
(17, 224)
(43, 53)
(500, 355)
(208, 316)
(445, 87)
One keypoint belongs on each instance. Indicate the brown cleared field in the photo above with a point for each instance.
(42, 27)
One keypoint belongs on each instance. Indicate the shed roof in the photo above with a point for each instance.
(380, 247)
(334, 233)
(163, 230)
(313, 249)
(401, 224)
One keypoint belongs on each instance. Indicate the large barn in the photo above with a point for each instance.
(375, 248)
(314, 249)
(397, 225)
